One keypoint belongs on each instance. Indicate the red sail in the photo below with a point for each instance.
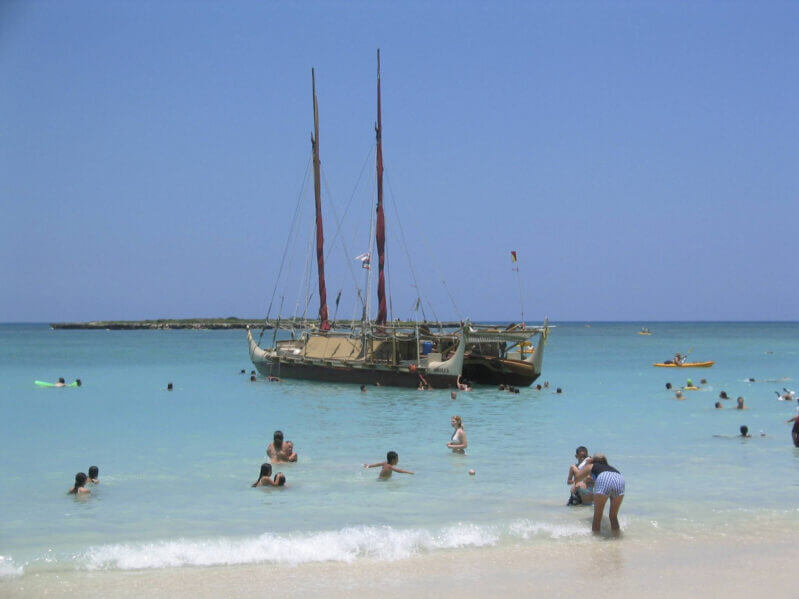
(320, 236)
(381, 221)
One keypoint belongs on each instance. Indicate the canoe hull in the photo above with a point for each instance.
(343, 374)
(686, 365)
(485, 370)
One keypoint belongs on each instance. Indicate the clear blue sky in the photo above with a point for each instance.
(642, 158)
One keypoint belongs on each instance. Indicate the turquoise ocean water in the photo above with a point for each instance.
(176, 467)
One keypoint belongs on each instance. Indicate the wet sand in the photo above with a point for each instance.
(722, 565)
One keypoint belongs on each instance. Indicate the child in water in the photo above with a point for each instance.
(389, 466)
(265, 481)
(80, 485)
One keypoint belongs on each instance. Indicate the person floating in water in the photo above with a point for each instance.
(94, 475)
(60, 382)
(80, 485)
(744, 431)
(389, 466)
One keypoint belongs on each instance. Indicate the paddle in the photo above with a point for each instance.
(683, 357)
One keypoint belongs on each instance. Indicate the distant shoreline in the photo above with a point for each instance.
(203, 324)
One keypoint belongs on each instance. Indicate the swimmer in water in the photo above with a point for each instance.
(263, 477)
(80, 485)
(389, 466)
(94, 475)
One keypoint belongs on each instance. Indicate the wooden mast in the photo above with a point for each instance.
(381, 221)
(320, 237)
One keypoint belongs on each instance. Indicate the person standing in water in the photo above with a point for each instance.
(458, 442)
(280, 451)
(608, 484)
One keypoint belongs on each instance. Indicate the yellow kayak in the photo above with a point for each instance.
(685, 365)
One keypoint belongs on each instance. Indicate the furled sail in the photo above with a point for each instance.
(381, 221)
(320, 236)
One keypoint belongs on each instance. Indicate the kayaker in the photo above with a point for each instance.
(678, 359)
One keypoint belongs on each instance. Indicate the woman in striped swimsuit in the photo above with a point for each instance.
(609, 484)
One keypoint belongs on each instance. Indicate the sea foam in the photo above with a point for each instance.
(382, 543)
(8, 568)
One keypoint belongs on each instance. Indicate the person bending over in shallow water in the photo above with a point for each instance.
(795, 429)
(609, 484)
(458, 442)
(94, 475)
(389, 466)
(280, 451)
(80, 485)
(582, 492)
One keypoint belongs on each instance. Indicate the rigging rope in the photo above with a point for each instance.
(429, 253)
(286, 247)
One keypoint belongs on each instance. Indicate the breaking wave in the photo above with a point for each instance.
(346, 545)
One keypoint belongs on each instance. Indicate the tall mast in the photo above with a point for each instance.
(320, 236)
(380, 235)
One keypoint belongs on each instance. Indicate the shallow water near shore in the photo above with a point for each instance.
(176, 467)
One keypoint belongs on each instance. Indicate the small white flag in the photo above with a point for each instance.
(364, 258)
